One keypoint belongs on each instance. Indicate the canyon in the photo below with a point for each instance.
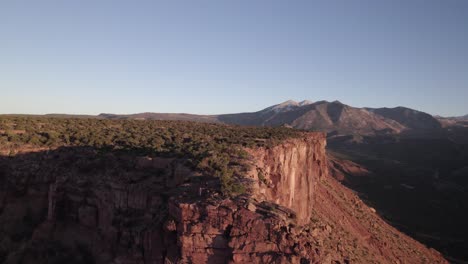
(82, 205)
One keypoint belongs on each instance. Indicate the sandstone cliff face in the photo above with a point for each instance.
(230, 231)
(56, 208)
(288, 174)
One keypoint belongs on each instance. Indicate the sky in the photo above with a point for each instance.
(213, 57)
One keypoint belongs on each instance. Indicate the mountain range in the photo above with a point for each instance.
(332, 117)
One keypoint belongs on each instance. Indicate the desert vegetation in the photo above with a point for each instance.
(213, 149)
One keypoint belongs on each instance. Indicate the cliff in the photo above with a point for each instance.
(288, 174)
(77, 205)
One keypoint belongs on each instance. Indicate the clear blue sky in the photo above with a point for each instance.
(207, 57)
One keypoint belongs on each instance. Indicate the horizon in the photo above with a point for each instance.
(216, 114)
(210, 58)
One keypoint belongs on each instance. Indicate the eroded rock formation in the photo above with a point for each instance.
(81, 206)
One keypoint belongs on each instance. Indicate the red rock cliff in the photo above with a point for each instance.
(133, 210)
(288, 174)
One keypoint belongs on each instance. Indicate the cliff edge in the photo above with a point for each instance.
(78, 205)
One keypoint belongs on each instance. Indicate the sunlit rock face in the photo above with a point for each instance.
(287, 174)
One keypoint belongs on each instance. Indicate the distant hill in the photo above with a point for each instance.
(163, 116)
(453, 121)
(410, 118)
(68, 116)
(463, 118)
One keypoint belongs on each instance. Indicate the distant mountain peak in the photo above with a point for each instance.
(288, 102)
(305, 102)
(288, 106)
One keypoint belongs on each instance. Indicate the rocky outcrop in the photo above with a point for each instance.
(288, 174)
(231, 231)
